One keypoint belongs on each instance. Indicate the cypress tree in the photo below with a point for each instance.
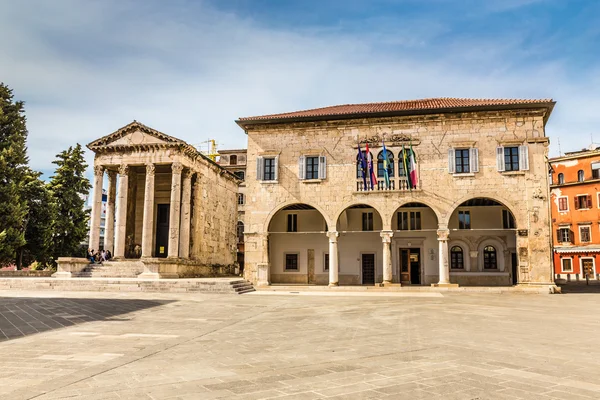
(69, 188)
(13, 170)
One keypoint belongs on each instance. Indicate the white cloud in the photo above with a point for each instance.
(88, 68)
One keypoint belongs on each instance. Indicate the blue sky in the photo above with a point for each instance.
(190, 68)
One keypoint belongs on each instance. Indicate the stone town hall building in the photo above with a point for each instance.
(478, 215)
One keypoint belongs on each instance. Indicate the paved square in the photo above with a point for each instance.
(196, 346)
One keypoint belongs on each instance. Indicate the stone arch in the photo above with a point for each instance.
(466, 248)
(446, 218)
(281, 206)
(501, 250)
(358, 203)
(390, 216)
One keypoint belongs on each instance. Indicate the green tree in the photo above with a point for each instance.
(13, 169)
(69, 188)
(39, 222)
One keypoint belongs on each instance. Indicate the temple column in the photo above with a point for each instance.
(121, 210)
(94, 242)
(184, 230)
(148, 219)
(109, 231)
(175, 208)
(333, 259)
(386, 239)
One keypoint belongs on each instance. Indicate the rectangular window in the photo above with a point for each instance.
(563, 235)
(508, 221)
(409, 220)
(292, 223)
(585, 234)
(583, 201)
(367, 221)
(312, 167)
(461, 159)
(464, 220)
(563, 203)
(241, 199)
(291, 262)
(596, 170)
(511, 158)
(326, 262)
(269, 169)
(567, 265)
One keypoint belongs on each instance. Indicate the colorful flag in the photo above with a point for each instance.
(363, 166)
(413, 168)
(387, 168)
(370, 171)
(406, 163)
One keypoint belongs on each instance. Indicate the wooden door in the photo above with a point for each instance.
(162, 231)
(368, 269)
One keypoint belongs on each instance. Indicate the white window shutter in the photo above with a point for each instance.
(322, 167)
(523, 158)
(500, 158)
(451, 162)
(276, 167)
(301, 169)
(474, 159)
(259, 168)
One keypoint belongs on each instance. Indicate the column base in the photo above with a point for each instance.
(334, 284)
(390, 284)
(445, 285)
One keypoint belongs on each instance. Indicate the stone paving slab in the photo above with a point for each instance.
(197, 346)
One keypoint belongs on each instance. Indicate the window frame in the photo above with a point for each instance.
(561, 179)
(413, 220)
(580, 176)
(487, 252)
(325, 262)
(241, 199)
(233, 159)
(508, 219)
(380, 170)
(243, 175)
(462, 152)
(595, 175)
(589, 229)
(240, 237)
(562, 265)
(511, 157)
(588, 202)
(285, 264)
(561, 235)
(464, 212)
(370, 223)
(314, 165)
(293, 227)
(566, 199)
(452, 258)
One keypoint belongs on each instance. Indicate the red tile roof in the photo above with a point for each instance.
(443, 103)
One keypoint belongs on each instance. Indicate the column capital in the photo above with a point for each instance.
(333, 235)
(443, 234)
(176, 167)
(386, 236)
(123, 169)
(111, 174)
(98, 170)
(187, 174)
(150, 169)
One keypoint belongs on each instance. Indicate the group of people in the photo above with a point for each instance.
(98, 256)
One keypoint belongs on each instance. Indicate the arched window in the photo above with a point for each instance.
(561, 178)
(239, 174)
(240, 231)
(390, 164)
(489, 258)
(580, 175)
(359, 166)
(456, 258)
(233, 160)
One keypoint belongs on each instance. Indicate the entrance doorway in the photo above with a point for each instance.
(368, 269)
(515, 272)
(410, 266)
(162, 231)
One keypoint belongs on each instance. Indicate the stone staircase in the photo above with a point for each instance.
(112, 284)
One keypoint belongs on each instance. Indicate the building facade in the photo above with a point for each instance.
(234, 161)
(575, 210)
(171, 212)
(474, 211)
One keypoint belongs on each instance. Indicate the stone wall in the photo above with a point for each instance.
(525, 193)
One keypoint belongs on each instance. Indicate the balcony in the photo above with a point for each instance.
(396, 185)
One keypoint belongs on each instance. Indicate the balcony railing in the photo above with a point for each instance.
(396, 184)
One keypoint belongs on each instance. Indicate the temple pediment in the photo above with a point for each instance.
(134, 134)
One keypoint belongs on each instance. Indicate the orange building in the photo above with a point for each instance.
(575, 210)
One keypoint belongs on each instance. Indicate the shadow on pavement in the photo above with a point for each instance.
(24, 316)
